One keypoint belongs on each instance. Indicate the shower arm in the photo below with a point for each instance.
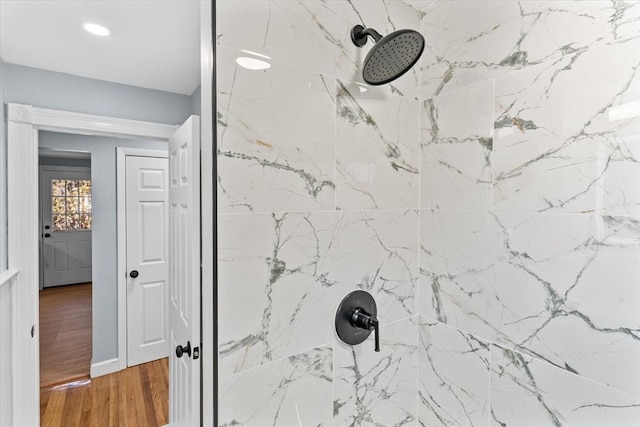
(359, 35)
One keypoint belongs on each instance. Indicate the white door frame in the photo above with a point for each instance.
(24, 123)
(121, 186)
(208, 217)
(53, 168)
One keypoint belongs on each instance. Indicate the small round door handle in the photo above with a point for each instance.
(180, 350)
(46, 227)
(134, 273)
(47, 235)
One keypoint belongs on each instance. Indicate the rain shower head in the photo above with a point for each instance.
(391, 56)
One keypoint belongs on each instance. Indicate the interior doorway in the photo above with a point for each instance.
(65, 297)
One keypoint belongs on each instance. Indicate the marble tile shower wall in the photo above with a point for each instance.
(489, 200)
(530, 214)
(318, 196)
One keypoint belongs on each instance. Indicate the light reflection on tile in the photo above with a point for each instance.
(274, 151)
(315, 35)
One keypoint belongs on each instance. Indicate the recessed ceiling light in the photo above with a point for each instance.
(96, 29)
(252, 63)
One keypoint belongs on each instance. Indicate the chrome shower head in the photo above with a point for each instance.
(391, 57)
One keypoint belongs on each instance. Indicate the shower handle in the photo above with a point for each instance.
(363, 320)
(356, 318)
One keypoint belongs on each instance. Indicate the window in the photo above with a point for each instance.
(71, 204)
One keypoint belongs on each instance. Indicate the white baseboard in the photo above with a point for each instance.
(106, 367)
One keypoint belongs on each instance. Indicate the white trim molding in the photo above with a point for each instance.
(22, 221)
(104, 368)
(121, 215)
(9, 353)
(24, 123)
(67, 122)
(7, 275)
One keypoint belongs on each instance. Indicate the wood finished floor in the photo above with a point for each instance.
(135, 397)
(65, 333)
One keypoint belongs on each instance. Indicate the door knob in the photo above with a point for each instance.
(46, 227)
(134, 273)
(47, 235)
(180, 350)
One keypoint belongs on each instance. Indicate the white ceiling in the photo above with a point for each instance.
(153, 43)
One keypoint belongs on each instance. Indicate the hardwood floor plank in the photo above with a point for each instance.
(136, 414)
(119, 386)
(158, 395)
(73, 406)
(100, 409)
(65, 334)
(135, 397)
(87, 405)
(55, 409)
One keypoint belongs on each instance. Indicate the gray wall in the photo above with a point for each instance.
(104, 244)
(47, 89)
(196, 99)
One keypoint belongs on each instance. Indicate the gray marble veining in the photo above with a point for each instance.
(290, 392)
(377, 149)
(454, 372)
(474, 41)
(378, 389)
(561, 148)
(562, 288)
(528, 393)
(457, 145)
(296, 268)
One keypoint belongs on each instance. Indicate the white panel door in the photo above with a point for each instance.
(184, 267)
(66, 227)
(147, 264)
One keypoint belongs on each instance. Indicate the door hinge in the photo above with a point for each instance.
(33, 330)
(196, 353)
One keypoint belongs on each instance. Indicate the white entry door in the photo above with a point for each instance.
(66, 226)
(147, 225)
(184, 267)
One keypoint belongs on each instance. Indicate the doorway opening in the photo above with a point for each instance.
(65, 225)
(26, 123)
